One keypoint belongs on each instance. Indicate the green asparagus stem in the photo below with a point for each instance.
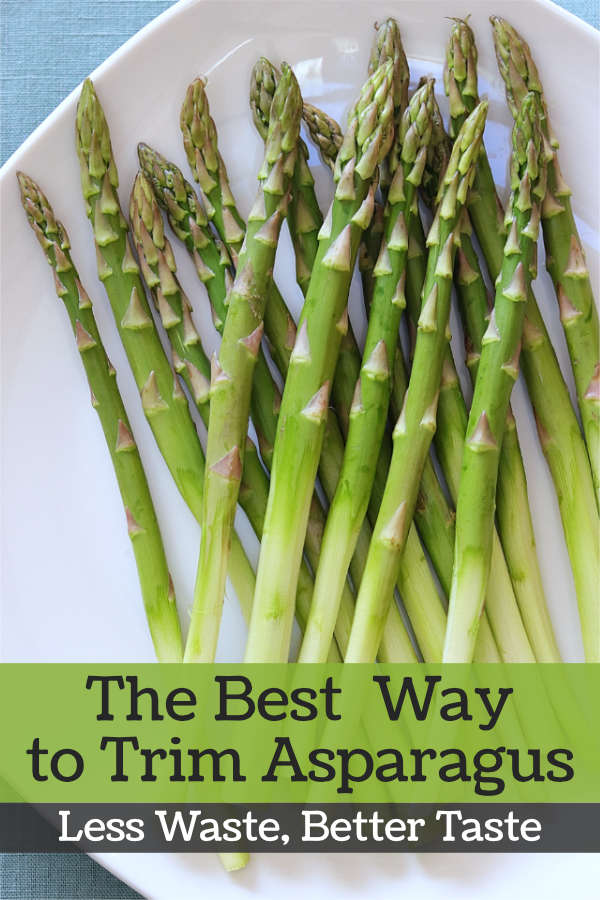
(416, 425)
(435, 520)
(163, 400)
(368, 415)
(201, 145)
(304, 215)
(558, 429)
(498, 370)
(142, 526)
(211, 260)
(304, 405)
(190, 360)
(231, 380)
(512, 505)
(565, 259)
(514, 519)
(212, 263)
(387, 46)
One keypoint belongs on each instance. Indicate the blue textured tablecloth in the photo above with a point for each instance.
(46, 48)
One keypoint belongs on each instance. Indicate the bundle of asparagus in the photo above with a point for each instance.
(331, 492)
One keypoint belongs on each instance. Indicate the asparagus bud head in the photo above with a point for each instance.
(99, 176)
(463, 161)
(284, 118)
(370, 126)
(460, 70)
(48, 231)
(515, 62)
(388, 46)
(324, 132)
(263, 82)
(415, 128)
(199, 135)
(530, 157)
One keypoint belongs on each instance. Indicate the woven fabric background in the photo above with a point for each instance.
(46, 48)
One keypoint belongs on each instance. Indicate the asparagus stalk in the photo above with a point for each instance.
(565, 259)
(558, 429)
(386, 46)
(498, 370)
(434, 518)
(164, 403)
(512, 506)
(202, 150)
(190, 360)
(415, 427)
(231, 381)
(514, 519)
(142, 526)
(369, 411)
(304, 405)
(304, 215)
(213, 265)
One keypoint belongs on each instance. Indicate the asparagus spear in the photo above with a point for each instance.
(304, 215)
(558, 429)
(306, 393)
(498, 370)
(200, 143)
(386, 46)
(163, 401)
(565, 259)
(201, 147)
(190, 360)
(434, 518)
(231, 381)
(369, 411)
(415, 427)
(142, 526)
(514, 519)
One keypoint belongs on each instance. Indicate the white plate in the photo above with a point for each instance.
(69, 588)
